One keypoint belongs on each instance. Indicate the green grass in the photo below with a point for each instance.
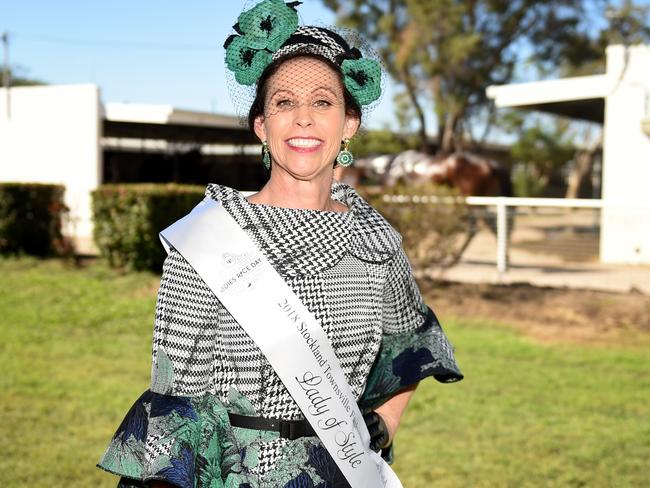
(75, 353)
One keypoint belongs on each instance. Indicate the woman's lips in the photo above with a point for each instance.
(304, 144)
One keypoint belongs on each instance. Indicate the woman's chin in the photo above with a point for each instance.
(306, 168)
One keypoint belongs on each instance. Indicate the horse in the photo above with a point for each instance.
(471, 174)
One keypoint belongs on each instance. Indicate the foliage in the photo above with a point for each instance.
(445, 53)
(433, 232)
(626, 23)
(372, 143)
(526, 181)
(526, 414)
(543, 147)
(18, 77)
(449, 52)
(128, 218)
(31, 217)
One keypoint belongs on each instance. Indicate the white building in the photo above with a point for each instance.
(620, 100)
(64, 134)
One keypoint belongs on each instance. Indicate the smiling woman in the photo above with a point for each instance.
(218, 414)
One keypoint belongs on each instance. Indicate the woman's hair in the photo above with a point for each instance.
(352, 108)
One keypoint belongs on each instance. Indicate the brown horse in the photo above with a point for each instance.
(469, 173)
(472, 175)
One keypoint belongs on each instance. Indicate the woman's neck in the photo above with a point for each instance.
(290, 192)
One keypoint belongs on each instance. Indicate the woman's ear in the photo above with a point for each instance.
(350, 127)
(258, 127)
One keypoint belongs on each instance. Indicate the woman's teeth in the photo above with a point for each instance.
(297, 142)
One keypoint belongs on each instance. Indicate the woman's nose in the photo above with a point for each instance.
(303, 115)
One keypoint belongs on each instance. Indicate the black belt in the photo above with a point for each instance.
(288, 429)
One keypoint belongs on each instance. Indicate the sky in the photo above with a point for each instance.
(162, 52)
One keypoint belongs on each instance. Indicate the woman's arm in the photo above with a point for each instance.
(392, 410)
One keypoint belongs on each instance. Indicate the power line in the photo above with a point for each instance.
(114, 44)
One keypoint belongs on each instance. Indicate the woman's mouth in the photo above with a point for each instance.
(304, 144)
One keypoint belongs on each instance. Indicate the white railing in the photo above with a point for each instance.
(501, 205)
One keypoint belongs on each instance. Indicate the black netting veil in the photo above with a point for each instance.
(268, 33)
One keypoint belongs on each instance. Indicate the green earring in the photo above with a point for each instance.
(345, 157)
(266, 155)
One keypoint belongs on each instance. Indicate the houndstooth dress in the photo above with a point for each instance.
(351, 272)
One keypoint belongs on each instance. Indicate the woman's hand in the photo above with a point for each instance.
(390, 413)
(379, 436)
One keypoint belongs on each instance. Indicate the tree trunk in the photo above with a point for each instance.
(422, 132)
(442, 128)
(448, 136)
(582, 169)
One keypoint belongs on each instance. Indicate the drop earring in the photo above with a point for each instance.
(266, 155)
(345, 157)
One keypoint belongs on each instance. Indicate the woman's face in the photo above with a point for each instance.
(304, 118)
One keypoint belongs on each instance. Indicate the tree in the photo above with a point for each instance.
(584, 52)
(372, 143)
(445, 53)
(541, 149)
(18, 77)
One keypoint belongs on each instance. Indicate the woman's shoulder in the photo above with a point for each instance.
(372, 237)
(222, 192)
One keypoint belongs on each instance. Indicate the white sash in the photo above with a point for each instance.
(286, 332)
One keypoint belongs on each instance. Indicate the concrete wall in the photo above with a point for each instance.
(52, 136)
(625, 232)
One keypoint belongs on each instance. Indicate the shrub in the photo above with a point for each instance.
(527, 181)
(31, 216)
(128, 217)
(434, 228)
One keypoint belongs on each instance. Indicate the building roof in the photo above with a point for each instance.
(146, 121)
(166, 114)
(581, 97)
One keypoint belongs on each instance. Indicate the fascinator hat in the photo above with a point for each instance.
(270, 31)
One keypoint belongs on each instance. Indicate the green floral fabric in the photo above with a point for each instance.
(408, 357)
(362, 78)
(246, 62)
(268, 24)
(263, 28)
(185, 441)
(189, 442)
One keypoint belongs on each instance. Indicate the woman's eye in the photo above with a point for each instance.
(323, 103)
(284, 103)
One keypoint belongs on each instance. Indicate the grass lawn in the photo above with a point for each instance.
(75, 353)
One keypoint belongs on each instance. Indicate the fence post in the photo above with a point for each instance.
(502, 238)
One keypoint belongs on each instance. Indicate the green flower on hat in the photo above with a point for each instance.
(245, 61)
(362, 78)
(268, 24)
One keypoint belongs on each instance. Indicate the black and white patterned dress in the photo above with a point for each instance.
(351, 272)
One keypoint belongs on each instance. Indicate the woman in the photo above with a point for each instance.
(202, 421)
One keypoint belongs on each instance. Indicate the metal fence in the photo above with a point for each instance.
(512, 232)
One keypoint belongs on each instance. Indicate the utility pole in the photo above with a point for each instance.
(6, 75)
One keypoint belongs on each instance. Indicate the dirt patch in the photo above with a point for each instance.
(548, 314)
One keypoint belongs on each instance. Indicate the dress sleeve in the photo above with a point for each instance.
(413, 345)
(176, 431)
(185, 327)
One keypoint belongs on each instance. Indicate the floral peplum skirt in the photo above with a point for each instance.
(190, 443)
